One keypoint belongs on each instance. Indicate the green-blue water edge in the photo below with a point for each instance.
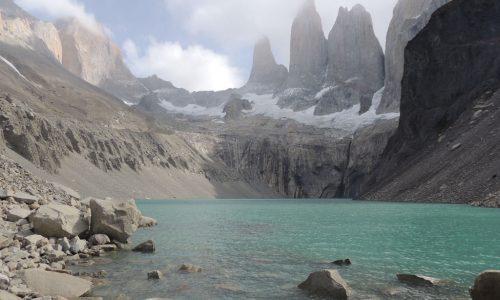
(255, 249)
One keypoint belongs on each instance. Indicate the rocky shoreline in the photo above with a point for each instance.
(46, 227)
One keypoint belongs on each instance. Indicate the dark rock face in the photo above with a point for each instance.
(292, 166)
(409, 18)
(450, 97)
(266, 75)
(308, 49)
(354, 51)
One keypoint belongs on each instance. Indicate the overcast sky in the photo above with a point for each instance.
(199, 44)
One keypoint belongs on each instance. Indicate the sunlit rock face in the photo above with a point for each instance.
(266, 75)
(90, 54)
(409, 18)
(354, 51)
(20, 29)
(308, 49)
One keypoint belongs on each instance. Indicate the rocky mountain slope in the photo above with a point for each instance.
(446, 146)
(409, 18)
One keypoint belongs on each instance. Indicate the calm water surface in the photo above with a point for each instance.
(256, 249)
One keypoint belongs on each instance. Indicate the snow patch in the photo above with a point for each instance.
(11, 65)
(194, 109)
(266, 105)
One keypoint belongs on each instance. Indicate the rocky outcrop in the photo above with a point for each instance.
(354, 51)
(266, 75)
(91, 55)
(408, 19)
(117, 219)
(486, 286)
(308, 50)
(235, 107)
(327, 283)
(146, 247)
(449, 111)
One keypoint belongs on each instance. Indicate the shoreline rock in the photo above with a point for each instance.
(327, 283)
(419, 280)
(486, 286)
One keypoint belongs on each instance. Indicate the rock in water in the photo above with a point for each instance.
(147, 222)
(327, 283)
(117, 219)
(188, 268)
(308, 49)
(57, 220)
(486, 286)
(266, 75)
(409, 18)
(354, 51)
(56, 284)
(146, 247)
(155, 275)
(342, 262)
(419, 280)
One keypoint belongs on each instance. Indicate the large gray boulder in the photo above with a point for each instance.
(266, 75)
(354, 51)
(117, 219)
(308, 49)
(56, 284)
(58, 220)
(409, 18)
(486, 286)
(17, 213)
(326, 283)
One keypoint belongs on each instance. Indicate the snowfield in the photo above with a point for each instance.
(265, 105)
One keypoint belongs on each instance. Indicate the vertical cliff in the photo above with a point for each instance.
(446, 148)
(408, 19)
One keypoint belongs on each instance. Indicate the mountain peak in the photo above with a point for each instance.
(266, 74)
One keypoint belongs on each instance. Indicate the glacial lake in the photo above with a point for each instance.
(261, 249)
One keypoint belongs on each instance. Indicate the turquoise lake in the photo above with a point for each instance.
(262, 249)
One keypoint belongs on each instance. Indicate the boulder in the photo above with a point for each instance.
(147, 222)
(56, 284)
(17, 213)
(146, 247)
(24, 197)
(327, 283)
(486, 286)
(99, 239)
(188, 268)
(64, 244)
(117, 219)
(57, 220)
(35, 240)
(4, 295)
(4, 282)
(419, 280)
(155, 275)
(77, 245)
(3, 194)
(6, 239)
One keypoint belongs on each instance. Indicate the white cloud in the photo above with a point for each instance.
(56, 9)
(237, 24)
(194, 68)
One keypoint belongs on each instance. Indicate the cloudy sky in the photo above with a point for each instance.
(199, 44)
